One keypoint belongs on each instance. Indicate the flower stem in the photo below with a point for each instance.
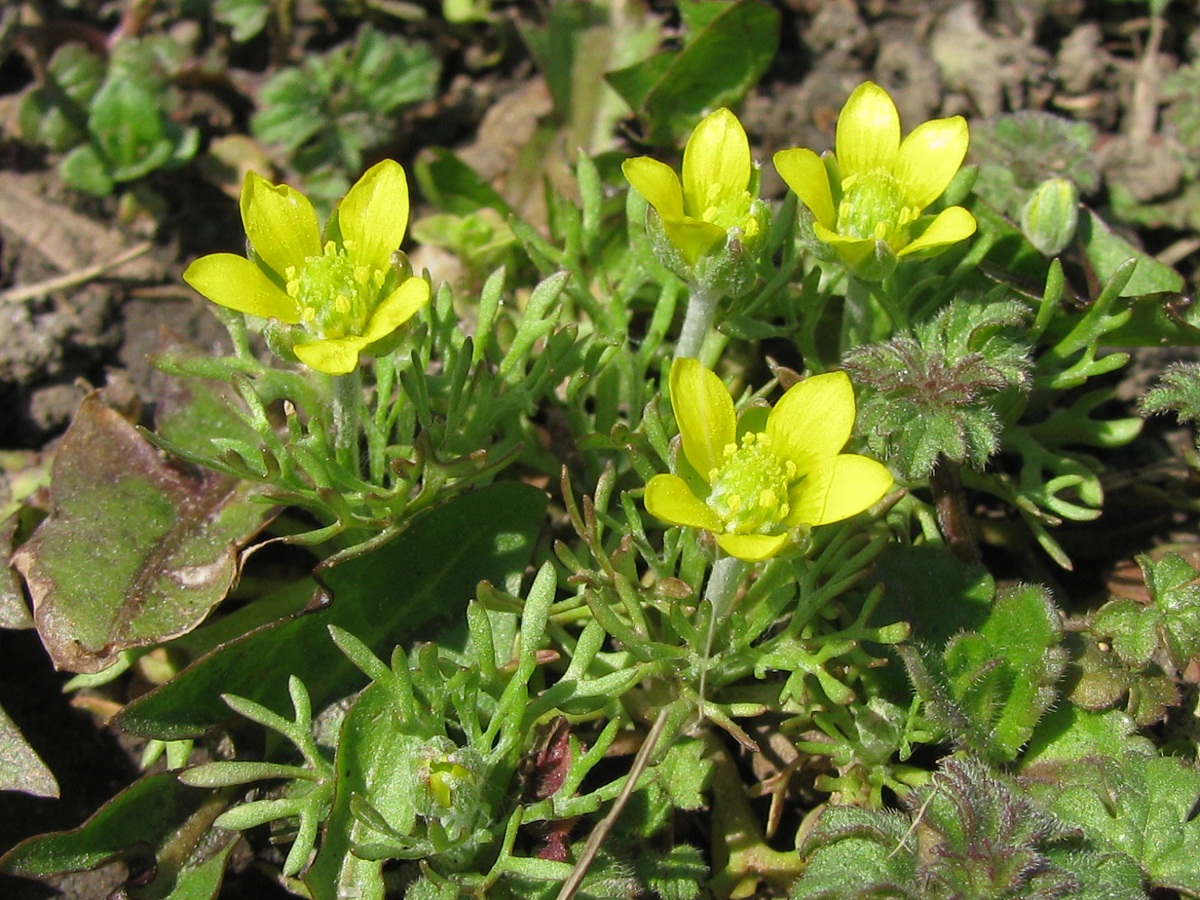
(701, 307)
(347, 404)
(723, 582)
(948, 498)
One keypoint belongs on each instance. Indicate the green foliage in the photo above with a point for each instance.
(1177, 390)
(1019, 151)
(54, 115)
(727, 47)
(307, 799)
(115, 119)
(329, 111)
(244, 18)
(989, 687)
(1170, 623)
(400, 589)
(972, 834)
(1142, 806)
(452, 684)
(935, 389)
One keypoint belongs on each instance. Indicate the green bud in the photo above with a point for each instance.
(728, 269)
(1050, 216)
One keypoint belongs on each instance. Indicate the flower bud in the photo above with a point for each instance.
(1050, 216)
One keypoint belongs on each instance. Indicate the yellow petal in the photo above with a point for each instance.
(950, 226)
(397, 308)
(658, 183)
(716, 163)
(280, 223)
(668, 498)
(751, 547)
(704, 413)
(236, 283)
(849, 250)
(373, 215)
(805, 173)
(868, 131)
(842, 487)
(929, 158)
(339, 357)
(693, 237)
(812, 421)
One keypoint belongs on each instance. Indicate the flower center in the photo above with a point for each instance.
(730, 210)
(336, 295)
(873, 207)
(750, 487)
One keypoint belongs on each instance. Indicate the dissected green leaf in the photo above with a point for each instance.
(935, 390)
(404, 590)
(20, 767)
(135, 550)
(728, 49)
(1171, 621)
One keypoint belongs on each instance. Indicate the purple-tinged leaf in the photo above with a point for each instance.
(136, 550)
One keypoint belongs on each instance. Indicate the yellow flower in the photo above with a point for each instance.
(342, 289)
(750, 487)
(718, 192)
(883, 185)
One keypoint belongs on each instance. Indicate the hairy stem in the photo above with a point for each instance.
(723, 582)
(347, 404)
(951, 505)
(701, 308)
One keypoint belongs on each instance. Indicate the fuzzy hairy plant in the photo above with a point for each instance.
(934, 389)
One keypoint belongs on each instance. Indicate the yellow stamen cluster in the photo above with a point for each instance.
(750, 487)
(336, 295)
(873, 207)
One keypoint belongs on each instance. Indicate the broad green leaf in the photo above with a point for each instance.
(144, 814)
(1106, 251)
(20, 767)
(716, 67)
(246, 18)
(135, 550)
(1069, 733)
(14, 612)
(404, 590)
(854, 852)
(55, 114)
(84, 170)
(1171, 621)
(576, 46)
(1143, 807)
(450, 184)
